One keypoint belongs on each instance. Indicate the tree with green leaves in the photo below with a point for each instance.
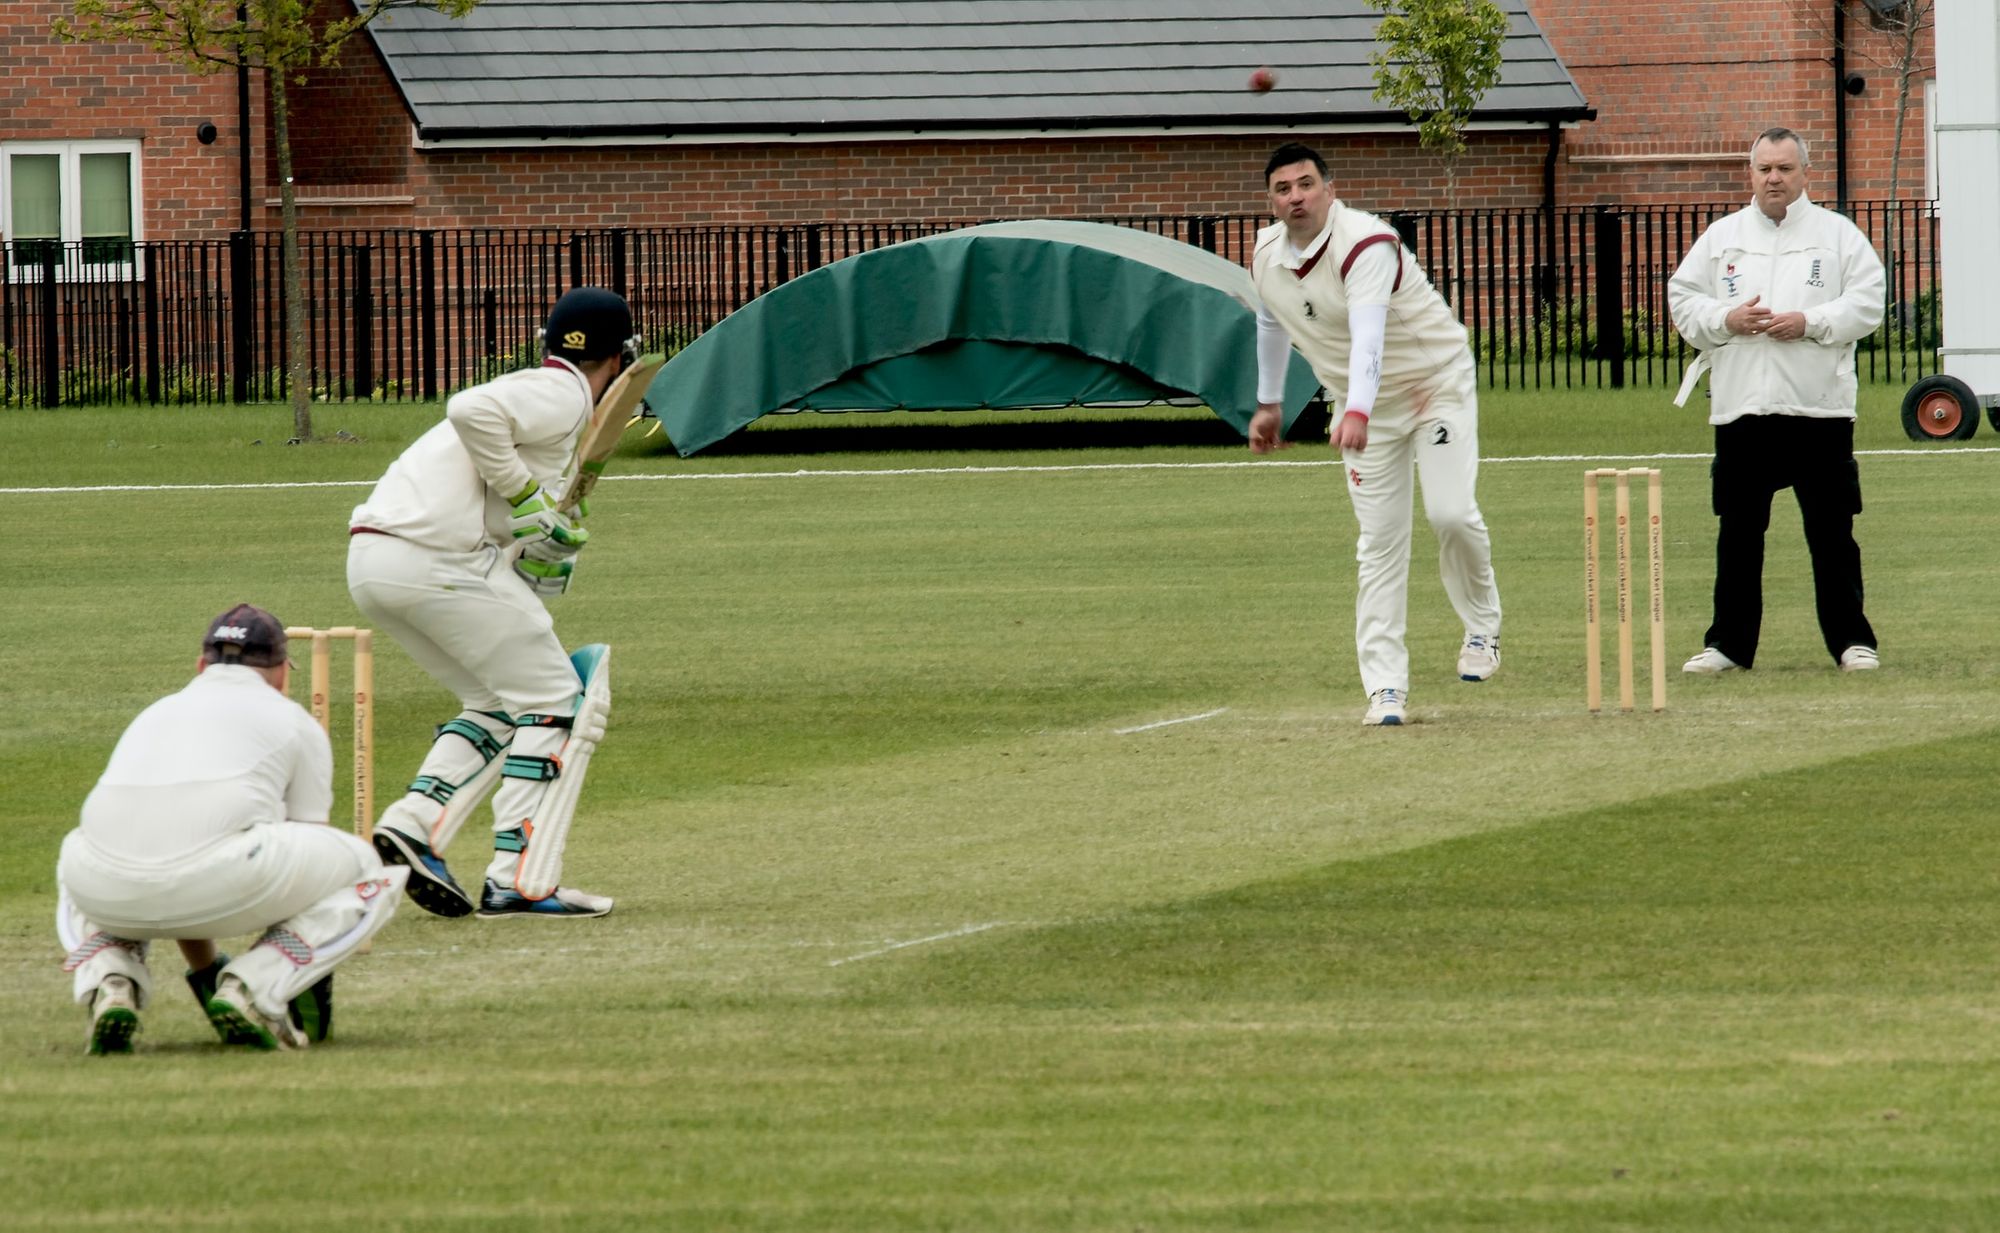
(282, 37)
(1434, 60)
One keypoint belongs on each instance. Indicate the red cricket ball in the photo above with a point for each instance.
(1262, 79)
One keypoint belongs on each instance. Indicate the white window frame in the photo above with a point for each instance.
(70, 177)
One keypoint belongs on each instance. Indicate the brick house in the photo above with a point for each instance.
(1088, 109)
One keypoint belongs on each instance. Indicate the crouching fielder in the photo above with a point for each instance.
(452, 555)
(209, 822)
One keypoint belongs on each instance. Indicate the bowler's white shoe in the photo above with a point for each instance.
(1479, 658)
(239, 1022)
(1709, 662)
(1385, 709)
(1859, 659)
(114, 1016)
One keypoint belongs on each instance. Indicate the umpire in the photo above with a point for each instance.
(1775, 296)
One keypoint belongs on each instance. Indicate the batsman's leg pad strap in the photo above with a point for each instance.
(534, 765)
(485, 742)
(461, 768)
(548, 828)
(537, 769)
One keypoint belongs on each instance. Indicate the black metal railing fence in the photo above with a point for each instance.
(1567, 297)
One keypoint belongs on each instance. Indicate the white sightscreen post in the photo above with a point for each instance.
(1968, 147)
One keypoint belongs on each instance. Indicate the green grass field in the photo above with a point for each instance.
(923, 924)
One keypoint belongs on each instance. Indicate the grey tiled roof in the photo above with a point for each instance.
(555, 68)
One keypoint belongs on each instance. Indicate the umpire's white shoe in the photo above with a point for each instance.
(1709, 662)
(1859, 659)
(114, 1016)
(496, 901)
(1479, 658)
(1386, 709)
(237, 1020)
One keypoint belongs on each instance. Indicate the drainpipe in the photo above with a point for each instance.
(1840, 105)
(1545, 292)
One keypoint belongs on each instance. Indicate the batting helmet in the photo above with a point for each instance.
(590, 323)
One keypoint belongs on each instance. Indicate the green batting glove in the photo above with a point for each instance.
(547, 579)
(535, 518)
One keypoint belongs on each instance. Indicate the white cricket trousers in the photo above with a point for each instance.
(468, 620)
(1427, 436)
(322, 886)
(471, 622)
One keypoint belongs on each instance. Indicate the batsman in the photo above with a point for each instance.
(453, 555)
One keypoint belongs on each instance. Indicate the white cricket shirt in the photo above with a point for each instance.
(1358, 261)
(449, 490)
(226, 752)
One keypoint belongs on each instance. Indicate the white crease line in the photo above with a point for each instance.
(935, 937)
(1168, 723)
(805, 473)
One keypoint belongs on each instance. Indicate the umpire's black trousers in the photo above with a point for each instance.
(1755, 457)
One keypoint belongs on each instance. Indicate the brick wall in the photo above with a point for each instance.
(358, 130)
(55, 92)
(877, 181)
(1681, 89)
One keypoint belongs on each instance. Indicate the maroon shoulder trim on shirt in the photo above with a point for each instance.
(1381, 237)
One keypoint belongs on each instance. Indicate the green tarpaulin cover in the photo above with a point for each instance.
(1024, 314)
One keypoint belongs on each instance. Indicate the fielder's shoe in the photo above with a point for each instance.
(431, 885)
(496, 901)
(1479, 658)
(1385, 709)
(239, 1022)
(1859, 659)
(203, 983)
(114, 1017)
(1709, 662)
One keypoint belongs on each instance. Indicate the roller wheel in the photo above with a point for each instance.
(1941, 408)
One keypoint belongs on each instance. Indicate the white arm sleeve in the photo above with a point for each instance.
(1274, 355)
(1368, 323)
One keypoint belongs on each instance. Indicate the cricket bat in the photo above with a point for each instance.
(620, 408)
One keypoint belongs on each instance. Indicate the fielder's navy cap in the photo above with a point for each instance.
(247, 635)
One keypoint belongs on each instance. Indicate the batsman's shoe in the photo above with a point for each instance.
(1709, 662)
(239, 1022)
(431, 885)
(496, 901)
(114, 1017)
(1386, 709)
(1859, 659)
(1479, 658)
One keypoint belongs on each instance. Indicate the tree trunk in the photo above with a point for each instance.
(298, 375)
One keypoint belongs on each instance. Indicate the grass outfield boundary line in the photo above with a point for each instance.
(1052, 468)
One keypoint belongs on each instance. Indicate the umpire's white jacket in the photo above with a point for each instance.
(1816, 262)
